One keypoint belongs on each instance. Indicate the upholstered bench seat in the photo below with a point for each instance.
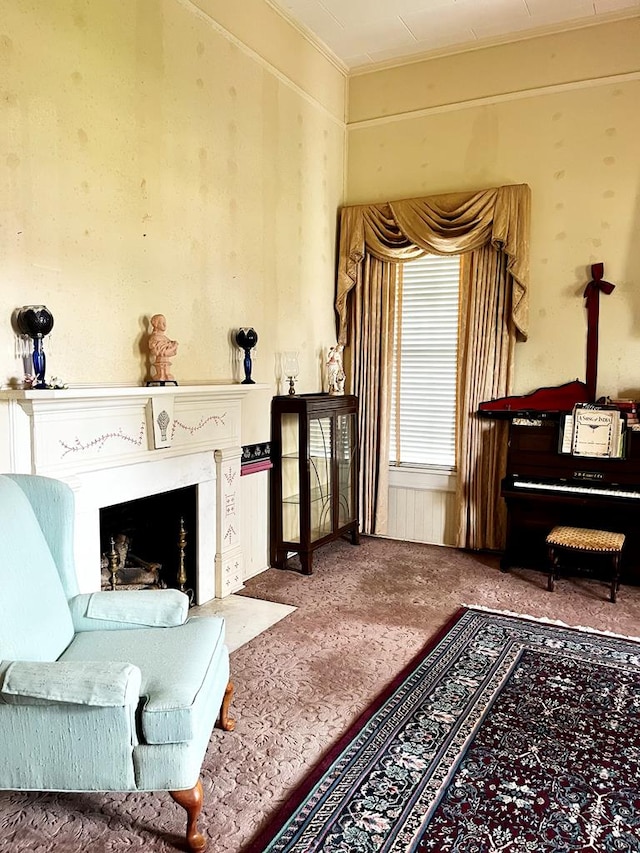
(583, 540)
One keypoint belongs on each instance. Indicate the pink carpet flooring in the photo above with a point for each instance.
(363, 614)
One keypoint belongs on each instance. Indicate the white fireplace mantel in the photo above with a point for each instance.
(114, 444)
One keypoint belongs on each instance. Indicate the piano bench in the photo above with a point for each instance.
(584, 541)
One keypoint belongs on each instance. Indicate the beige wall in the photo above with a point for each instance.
(187, 158)
(561, 113)
(168, 156)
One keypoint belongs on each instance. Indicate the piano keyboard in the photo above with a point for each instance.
(574, 489)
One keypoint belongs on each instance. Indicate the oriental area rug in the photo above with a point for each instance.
(507, 735)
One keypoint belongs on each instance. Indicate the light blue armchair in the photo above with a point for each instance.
(106, 691)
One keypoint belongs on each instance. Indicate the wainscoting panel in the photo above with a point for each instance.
(255, 521)
(422, 506)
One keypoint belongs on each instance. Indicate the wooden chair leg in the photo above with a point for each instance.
(227, 723)
(191, 801)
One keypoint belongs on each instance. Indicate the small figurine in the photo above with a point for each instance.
(161, 348)
(335, 372)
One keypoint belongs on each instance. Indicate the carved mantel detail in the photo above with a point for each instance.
(101, 441)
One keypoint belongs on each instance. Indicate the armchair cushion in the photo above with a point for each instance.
(174, 707)
(107, 684)
(163, 608)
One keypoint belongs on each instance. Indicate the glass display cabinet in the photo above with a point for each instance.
(314, 479)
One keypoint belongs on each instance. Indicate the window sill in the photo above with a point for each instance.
(422, 478)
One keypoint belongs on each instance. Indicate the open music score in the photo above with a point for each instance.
(594, 431)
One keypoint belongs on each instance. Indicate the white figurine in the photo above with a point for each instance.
(335, 370)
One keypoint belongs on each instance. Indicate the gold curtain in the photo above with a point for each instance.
(373, 319)
(394, 232)
(486, 341)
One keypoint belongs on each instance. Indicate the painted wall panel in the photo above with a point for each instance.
(151, 162)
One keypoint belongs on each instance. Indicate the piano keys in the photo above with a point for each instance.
(594, 490)
(544, 487)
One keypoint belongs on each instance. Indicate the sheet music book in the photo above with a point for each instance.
(596, 432)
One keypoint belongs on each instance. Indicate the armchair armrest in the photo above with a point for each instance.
(99, 611)
(105, 684)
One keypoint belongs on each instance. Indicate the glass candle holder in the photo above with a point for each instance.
(291, 368)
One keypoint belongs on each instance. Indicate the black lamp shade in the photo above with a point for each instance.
(247, 338)
(35, 321)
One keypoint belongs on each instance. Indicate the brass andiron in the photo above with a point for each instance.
(182, 572)
(113, 561)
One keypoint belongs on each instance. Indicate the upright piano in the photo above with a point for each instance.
(544, 487)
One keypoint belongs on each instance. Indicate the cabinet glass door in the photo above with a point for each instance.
(320, 482)
(290, 478)
(345, 456)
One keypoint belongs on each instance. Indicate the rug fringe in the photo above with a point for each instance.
(545, 620)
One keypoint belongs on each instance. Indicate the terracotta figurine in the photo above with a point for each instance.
(161, 349)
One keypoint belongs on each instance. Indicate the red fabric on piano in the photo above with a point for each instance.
(555, 398)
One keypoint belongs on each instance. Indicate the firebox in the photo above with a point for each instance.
(154, 539)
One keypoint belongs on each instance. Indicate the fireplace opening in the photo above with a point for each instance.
(154, 542)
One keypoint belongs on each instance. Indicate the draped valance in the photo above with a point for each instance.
(444, 224)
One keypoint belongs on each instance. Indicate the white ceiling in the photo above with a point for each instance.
(366, 32)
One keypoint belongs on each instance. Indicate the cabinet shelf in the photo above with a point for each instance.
(314, 476)
(315, 496)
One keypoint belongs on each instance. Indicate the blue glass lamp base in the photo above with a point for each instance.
(247, 369)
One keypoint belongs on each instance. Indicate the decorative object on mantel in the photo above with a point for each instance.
(161, 349)
(56, 384)
(36, 321)
(335, 371)
(291, 369)
(247, 338)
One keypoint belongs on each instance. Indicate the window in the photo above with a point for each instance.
(424, 377)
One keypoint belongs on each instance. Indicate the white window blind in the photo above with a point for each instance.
(424, 376)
